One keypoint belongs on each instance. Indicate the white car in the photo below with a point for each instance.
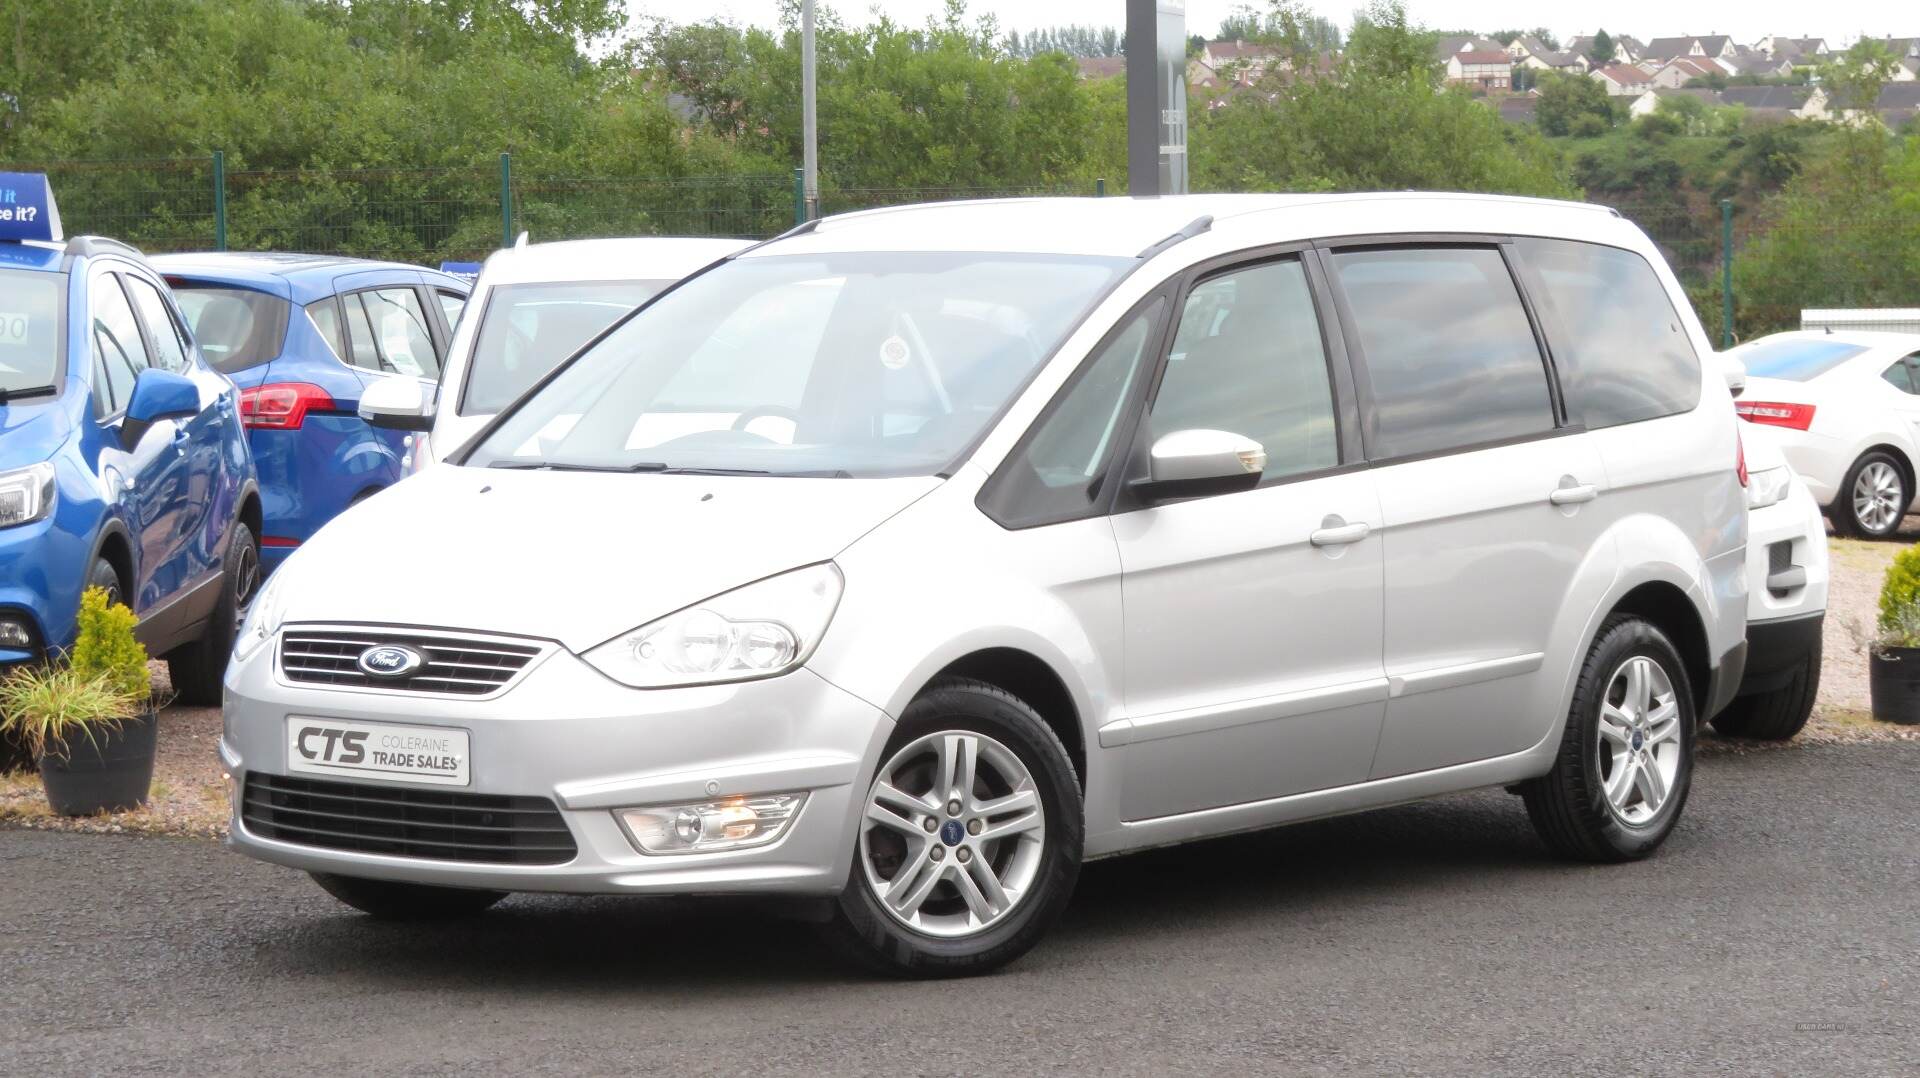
(533, 306)
(1074, 527)
(1847, 406)
(1786, 598)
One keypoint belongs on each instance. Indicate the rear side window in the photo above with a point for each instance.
(237, 328)
(1900, 377)
(1450, 357)
(1622, 353)
(400, 331)
(170, 352)
(325, 316)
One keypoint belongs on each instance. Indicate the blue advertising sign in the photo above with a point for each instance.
(466, 271)
(26, 208)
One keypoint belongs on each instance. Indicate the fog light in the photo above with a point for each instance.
(731, 823)
(15, 633)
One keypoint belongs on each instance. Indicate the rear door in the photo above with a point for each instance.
(1485, 491)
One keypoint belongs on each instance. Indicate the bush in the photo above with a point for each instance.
(1587, 125)
(1900, 592)
(107, 650)
(43, 707)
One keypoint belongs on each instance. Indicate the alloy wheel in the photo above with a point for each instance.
(1877, 497)
(1639, 740)
(953, 834)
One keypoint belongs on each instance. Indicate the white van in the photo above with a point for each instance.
(915, 557)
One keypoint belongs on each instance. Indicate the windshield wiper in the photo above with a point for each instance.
(655, 467)
(30, 391)
(563, 466)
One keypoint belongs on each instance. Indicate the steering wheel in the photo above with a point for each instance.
(776, 411)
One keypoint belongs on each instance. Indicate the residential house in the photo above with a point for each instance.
(1093, 68)
(1681, 70)
(1902, 47)
(1457, 43)
(1622, 80)
(1899, 105)
(1569, 62)
(1798, 50)
(1239, 62)
(1759, 65)
(1648, 103)
(1488, 69)
(1907, 70)
(1626, 50)
(1775, 103)
(1518, 108)
(1524, 46)
(1709, 47)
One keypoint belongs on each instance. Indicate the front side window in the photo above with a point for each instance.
(400, 334)
(1450, 357)
(529, 329)
(1248, 359)
(237, 328)
(1057, 476)
(1623, 355)
(119, 355)
(170, 352)
(32, 306)
(857, 364)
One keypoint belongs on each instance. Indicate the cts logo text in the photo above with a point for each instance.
(321, 745)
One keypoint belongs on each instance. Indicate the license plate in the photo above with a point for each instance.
(430, 754)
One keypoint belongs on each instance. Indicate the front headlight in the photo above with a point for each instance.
(1768, 487)
(765, 628)
(26, 494)
(263, 619)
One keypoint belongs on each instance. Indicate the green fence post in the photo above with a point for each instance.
(1726, 273)
(799, 196)
(1100, 187)
(219, 200)
(506, 200)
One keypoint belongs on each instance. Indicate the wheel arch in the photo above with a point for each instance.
(1901, 457)
(1674, 613)
(116, 545)
(1030, 678)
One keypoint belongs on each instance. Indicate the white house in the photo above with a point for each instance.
(1485, 69)
(1622, 80)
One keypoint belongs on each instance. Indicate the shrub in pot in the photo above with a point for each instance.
(90, 721)
(1893, 664)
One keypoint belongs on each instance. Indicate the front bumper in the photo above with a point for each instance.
(564, 731)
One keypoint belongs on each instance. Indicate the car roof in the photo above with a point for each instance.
(306, 276)
(632, 259)
(32, 255)
(1127, 227)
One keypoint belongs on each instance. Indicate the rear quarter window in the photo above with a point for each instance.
(1621, 349)
(237, 328)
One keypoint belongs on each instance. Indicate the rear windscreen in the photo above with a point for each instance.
(529, 328)
(237, 328)
(31, 305)
(1798, 360)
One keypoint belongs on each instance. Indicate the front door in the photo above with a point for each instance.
(1252, 620)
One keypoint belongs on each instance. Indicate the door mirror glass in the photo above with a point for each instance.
(397, 404)
(159, 394)
(1735, 372)
(1193, 463)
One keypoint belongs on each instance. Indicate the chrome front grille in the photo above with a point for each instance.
(458, 665)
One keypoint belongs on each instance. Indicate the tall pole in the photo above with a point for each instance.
(809, 125)
(1726, 274)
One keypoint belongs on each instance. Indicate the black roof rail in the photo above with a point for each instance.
(1194, 228)
(800, 229)
(100, 245)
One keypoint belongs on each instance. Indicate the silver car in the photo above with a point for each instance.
(916, 557)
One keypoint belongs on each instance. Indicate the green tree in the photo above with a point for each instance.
(1564, 99)
(1603, 50)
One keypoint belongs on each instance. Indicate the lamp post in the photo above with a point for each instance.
(809, 125)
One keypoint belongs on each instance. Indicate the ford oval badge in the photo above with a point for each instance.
(390, 661)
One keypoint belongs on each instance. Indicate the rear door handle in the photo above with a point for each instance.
(1339, 535)
(1581, 494)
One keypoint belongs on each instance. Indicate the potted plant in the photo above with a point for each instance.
(1893, 664)
(89, 722)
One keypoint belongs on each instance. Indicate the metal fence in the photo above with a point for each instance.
(430, 214)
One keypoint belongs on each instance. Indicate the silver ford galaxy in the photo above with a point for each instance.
(913, 558)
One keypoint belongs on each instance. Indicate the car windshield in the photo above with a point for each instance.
(31, 306)
(530, 328)
(237, 328)
(1796, 359)
(863, 364)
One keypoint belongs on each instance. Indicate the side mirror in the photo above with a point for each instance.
(1193, 463)
(158, 395)
(398, 404)
(1735, 372)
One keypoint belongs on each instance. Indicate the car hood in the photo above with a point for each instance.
(32, 429)
(575, 557)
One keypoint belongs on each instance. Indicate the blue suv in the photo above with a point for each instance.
(303, 336)
(123, 463)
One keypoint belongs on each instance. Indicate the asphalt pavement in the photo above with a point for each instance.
(1778, 932)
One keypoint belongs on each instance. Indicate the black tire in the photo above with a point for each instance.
(196, 669)
(387, 900)
(864, 931)
(1776, 714)
(103, 575)
(1568, 805)
(1846, 519)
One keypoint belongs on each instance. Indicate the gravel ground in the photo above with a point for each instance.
(190, 799)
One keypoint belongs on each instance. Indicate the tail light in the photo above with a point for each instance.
(1740, 457)
(1776, 413)
(282, 405)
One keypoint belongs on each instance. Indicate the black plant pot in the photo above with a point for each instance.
(111, 772)
(1893, 676)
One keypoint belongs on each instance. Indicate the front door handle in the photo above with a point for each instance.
(1339, 535)
(1579, 495)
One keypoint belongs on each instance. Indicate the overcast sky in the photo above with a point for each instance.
(1748, 21)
